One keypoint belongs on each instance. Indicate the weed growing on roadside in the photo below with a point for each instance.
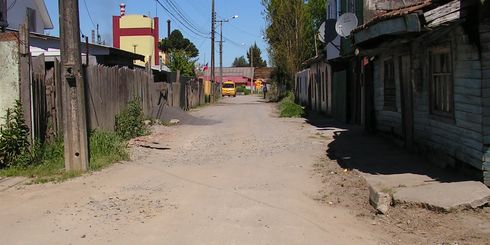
(47, 161)
(14, 137)
(105, 149)
(130, 122)
(288, 108)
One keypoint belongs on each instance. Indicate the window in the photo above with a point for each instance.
(441, 81)
(31, 14)
(389, 86)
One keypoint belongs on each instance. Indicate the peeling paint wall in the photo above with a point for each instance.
(9, 78)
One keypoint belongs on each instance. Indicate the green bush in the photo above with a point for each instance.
(288, 108)
(243, 89)
(14, 137)
(129, 123)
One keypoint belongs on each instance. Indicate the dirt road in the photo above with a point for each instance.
(243, 176)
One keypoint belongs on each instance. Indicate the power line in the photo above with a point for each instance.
(12, 5)
(181, 13)
(88, 12)
(190, 28)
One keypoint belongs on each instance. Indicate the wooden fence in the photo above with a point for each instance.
(108, 91)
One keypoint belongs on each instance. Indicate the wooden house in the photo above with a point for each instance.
(426, 68)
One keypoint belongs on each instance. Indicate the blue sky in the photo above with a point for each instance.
(247, 29)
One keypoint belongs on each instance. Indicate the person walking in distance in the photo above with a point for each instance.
(264, 90)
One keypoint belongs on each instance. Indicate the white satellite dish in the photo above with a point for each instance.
(346, 23)
(321, 33)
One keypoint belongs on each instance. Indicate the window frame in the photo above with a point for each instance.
(444, 48)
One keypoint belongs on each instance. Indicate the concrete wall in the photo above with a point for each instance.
(9, 70)
(302, 86)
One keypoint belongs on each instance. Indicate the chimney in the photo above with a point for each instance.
(122, 8)
(168, 28)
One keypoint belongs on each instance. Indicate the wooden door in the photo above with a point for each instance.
(406, 99)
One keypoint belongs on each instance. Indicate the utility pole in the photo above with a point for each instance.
(213, 23)
(221, 51)
(221, 46)
(73, 95)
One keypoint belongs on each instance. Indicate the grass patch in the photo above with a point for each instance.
(47, 162)
(288, 108)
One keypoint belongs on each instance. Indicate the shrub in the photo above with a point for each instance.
(288, 108)
(129, 123)
(14, 137)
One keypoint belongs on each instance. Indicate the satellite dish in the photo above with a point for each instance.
(330, 33)
(321, 33)
(345, 24)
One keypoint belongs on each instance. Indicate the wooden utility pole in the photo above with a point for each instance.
(213, 28)
(74, 114)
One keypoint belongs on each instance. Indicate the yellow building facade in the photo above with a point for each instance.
(138, 34)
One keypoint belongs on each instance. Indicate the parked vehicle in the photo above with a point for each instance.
(228, 89)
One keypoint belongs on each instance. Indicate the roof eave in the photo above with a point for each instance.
(48, 23)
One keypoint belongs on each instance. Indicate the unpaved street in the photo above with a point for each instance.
(239, 175)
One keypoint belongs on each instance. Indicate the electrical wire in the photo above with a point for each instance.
(89, 15)
(181, 13)
(12, 5)
(190, 28)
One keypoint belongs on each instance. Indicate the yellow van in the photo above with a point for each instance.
(228, 89)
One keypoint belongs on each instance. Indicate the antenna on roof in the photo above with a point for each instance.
(346, 23)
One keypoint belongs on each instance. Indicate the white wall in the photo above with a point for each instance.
(17, 14)
(9, 84)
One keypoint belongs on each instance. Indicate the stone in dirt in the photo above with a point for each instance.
(174, 121)
(381, 201)
(445, 196)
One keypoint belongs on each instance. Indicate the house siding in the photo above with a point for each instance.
(387, 121)
(485, 72)
(459, 137)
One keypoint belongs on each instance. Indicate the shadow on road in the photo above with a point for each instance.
(354, 148)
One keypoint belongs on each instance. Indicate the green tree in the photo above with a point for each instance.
(177, 42)
(180, 60)
(240, 62)
(291, 27)
(257, 56)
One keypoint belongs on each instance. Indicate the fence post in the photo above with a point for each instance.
(25, 77)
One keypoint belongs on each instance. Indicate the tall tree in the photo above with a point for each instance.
(180, 60)
(177, 42)
(240, 62)
(290, 32)
(256, 57)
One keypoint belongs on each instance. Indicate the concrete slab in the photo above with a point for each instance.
(445, 196)
(408, 177)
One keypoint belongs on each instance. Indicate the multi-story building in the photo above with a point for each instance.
(137, 34)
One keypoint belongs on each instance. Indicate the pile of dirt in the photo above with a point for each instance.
(404, 223)
(168, 113)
